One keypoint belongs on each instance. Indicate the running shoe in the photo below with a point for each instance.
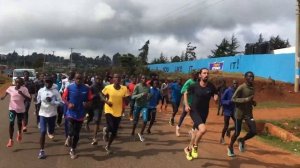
(105, 134)
(68, 142)
(19, 137)
(42, 155)
(51, 136)
(94, 142)
(177, 131)
(24, 129)
(230, 152)
(73, 154)
(10, 143)
(195, 152)
(107, 149)
(241, 145)
(222, 141)
(142, 139)
(188, 154)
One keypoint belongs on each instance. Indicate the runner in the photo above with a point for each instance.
(221, 90)
(97, 105)
(185, 87)
(201, 93)
(228, 107)
(29, 84)
(18, 94)
(243, 99)
(165, 94)
(130, 87)
(39, 83)
(50, 99)
(155, 96)
(115, 96)
(141, 96)
(175, 88)
(76, 97)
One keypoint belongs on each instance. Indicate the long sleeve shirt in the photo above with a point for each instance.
(227, 103)
(185, 87)
(48, 109)
(138, 94)
(242, 98)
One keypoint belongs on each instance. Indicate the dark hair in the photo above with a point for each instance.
(248, 73)
(200, 71)
(26, 72)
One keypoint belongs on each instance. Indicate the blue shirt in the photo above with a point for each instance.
(228, 105)
(77, 95)
(155, 97)
(175, 92)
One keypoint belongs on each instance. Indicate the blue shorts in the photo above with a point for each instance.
(136, 114)
(47, 123)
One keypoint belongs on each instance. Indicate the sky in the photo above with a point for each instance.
(97, 27)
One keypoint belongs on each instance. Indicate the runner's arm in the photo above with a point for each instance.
(3, 97)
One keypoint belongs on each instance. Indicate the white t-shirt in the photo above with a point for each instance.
(48, 109)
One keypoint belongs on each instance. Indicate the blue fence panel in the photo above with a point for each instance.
(277, 66)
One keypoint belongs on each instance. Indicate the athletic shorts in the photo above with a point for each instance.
(151, 114)
(164, 99)
(112, 123)
(136, 114)
(13, 114)
(198, 118)
(97, 115)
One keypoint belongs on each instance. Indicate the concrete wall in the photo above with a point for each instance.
(277, 66)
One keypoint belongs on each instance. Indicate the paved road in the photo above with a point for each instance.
(161, 149)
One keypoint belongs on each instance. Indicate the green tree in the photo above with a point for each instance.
(226, 48)
(176, 59)
(277, 43)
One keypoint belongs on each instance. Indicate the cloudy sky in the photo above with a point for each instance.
(95, 27)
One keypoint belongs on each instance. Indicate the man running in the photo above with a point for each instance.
(228, 107)
(201, 93)
(49, 98)
(18, 94)
(97, 105)
(131, 87)
(165, 94)
(39, 83)
(155, 96)
(29, 84)
(115, 96)
(175, 88)
(141, 96)
(184, 88)
(76, 97)
(243, 99)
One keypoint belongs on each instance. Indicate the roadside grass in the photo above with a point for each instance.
(291, 125)
(293, 147)
(276, 104)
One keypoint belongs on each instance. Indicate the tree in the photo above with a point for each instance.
(260, 38)
(105, 60)
(277, 43)
(163, 59)
(226, 48)
(116, 59)
(176, 59)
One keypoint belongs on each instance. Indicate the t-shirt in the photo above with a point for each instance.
(201, 96)
(131, 87)
(155, 96)
(185, 87)
(16, 102)
(116, 98)
(175, 92)
(164, 89)
(243, 103)
(141, 100)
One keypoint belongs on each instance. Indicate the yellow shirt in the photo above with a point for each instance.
(116, 97)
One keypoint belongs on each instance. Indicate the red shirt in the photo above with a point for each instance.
(131, 87)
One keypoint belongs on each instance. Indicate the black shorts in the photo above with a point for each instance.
(198, 118)
(165, 98)
(112, 123)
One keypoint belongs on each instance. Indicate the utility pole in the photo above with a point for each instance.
(297, 52)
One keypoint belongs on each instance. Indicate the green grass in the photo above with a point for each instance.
(275, 104)
(293, 147)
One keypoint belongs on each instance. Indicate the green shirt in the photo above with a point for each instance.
(185, 87)
(138, 95)
(242, 99)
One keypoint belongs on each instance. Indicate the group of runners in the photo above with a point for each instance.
(81, 100)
